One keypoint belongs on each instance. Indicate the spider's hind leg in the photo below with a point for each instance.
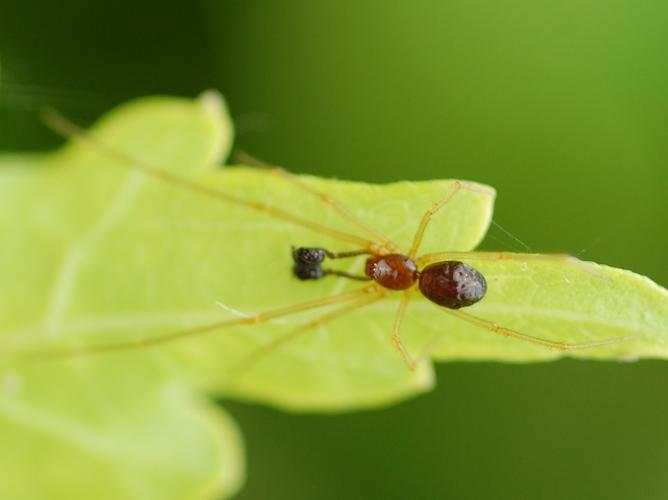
(552, 344)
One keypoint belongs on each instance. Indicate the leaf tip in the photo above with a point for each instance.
(214, 105)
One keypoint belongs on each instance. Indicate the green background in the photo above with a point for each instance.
(562, 106)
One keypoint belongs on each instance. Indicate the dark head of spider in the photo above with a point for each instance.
(451, 283)
(307, 263)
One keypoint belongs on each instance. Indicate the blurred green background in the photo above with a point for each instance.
(562, 106)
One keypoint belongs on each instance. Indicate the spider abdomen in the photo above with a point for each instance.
(452, 284)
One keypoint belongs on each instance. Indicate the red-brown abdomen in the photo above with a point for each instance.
(393, 271)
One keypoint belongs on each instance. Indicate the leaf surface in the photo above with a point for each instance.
(112, 427)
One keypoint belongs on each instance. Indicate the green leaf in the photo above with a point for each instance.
(104, 253)
(111, 430)
(132, 256)
(559, 301)
(121, 428)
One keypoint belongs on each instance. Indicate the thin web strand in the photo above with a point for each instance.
(511, 236)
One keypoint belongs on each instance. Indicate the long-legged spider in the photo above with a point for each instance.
(443, 278)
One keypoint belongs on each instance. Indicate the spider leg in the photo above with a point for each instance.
(552, 344)
(65, 128)
(396, 338)
(523, 257)
(239, 368)
(426, 218)
(386, 243)
(255, 319)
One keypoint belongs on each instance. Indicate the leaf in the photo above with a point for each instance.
(132, 256)
(109, 254)
(83, 429)
(109, 431)
(560, 301)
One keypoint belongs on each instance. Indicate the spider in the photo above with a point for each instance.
(444, 278)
